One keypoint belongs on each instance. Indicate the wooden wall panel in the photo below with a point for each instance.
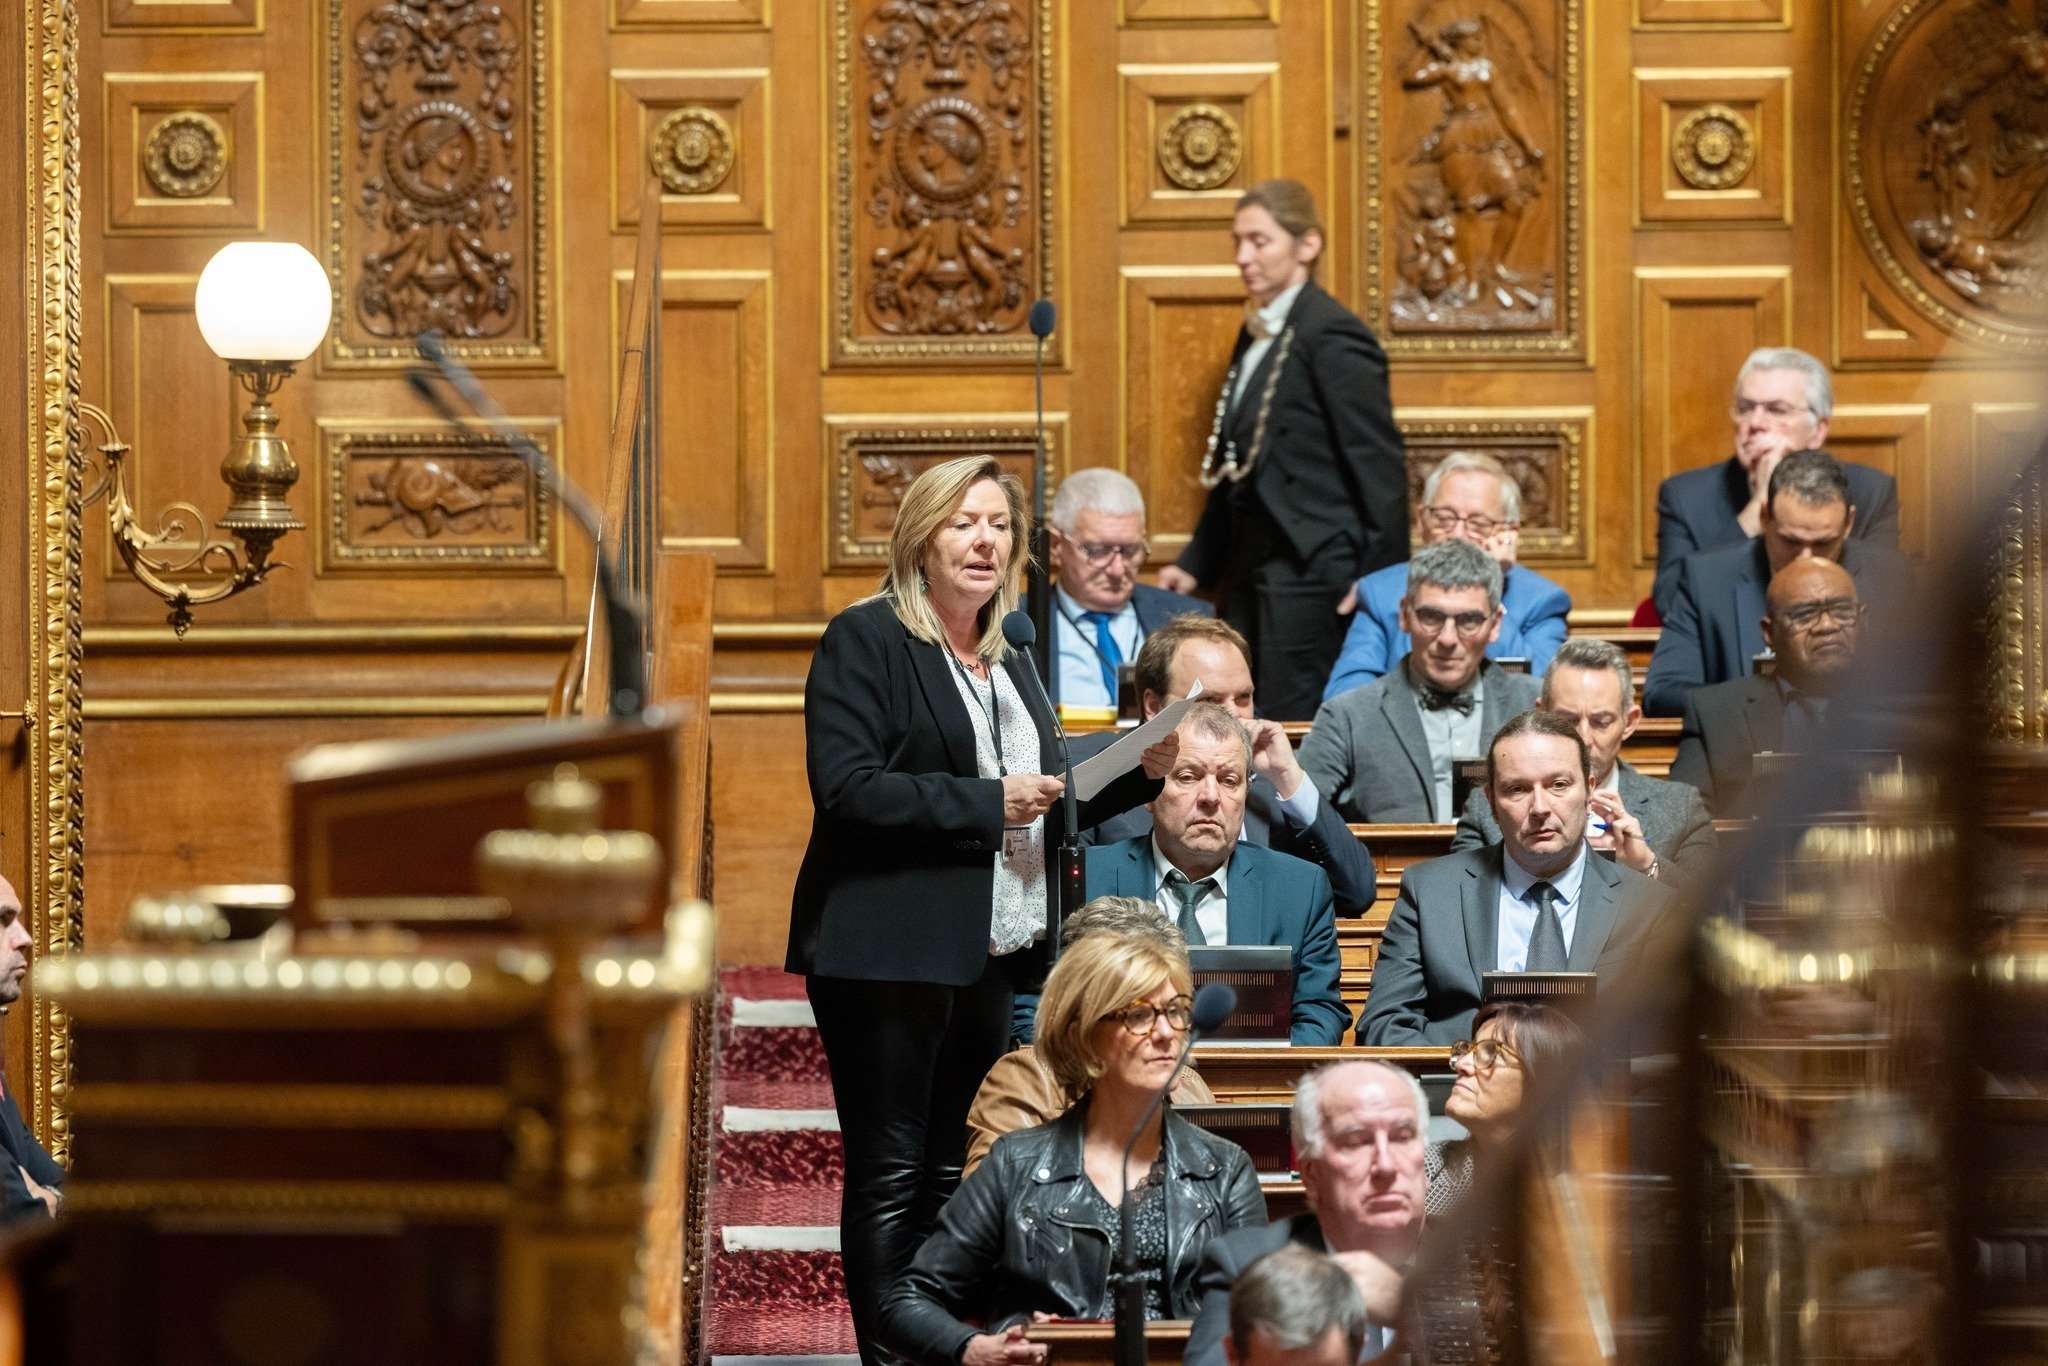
(183, 153)
(1196, 137)
(1896, 438)
(1550, 453)
(1713, 14)
(1714, 145)
(1178, 325)
(704, 134)
(183, 16)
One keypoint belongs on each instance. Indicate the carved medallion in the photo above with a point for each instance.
(1473, 145)
(436, 219)
(1199, 149)
(1713, 148)
(185, 155)
(1948, 164)
(944, 176)
(692, 151)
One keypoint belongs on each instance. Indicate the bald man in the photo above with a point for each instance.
(31, 1182)
(1813, 621)
(1361, 1141)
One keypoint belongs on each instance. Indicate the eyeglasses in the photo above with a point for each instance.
(1807, 615)
(1485, 1055)
(1099, 553)
(1446, 519)
(1139, 1016)
(1432, 620)
(1776, 410)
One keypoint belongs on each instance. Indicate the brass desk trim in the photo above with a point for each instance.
(291, 1106)
(271, 708)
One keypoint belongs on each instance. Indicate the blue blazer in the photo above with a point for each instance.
(1273, 899)
(1532, 626)
(1156, 607)
(1696, 511)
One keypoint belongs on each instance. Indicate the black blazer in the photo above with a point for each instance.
(898, 881)
(1333, 463)
(1156, 607)
(23, 1153)
(1725, 728)
(1696, 510)
(1713, 623)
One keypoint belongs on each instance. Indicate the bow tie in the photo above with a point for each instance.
(1255, 321)
(1436, 699)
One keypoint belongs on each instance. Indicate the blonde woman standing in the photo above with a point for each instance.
(920, 907)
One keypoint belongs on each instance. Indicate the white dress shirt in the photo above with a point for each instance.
(1274, 316)
(1080, 666)
(1517, 913)
(1452, 735)
(1213, 915)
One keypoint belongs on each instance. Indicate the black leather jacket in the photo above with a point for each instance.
(1022, 1234)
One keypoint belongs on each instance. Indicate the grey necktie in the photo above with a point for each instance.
(1190, 896)
(1546, 941)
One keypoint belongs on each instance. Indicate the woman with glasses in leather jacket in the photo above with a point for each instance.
(1034, 1229)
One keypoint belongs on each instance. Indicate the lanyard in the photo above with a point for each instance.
(993, 711)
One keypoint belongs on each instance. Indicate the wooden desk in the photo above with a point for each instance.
(1269, 1074)
(1094, 1344)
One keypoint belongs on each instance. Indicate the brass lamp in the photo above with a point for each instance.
(263, 307)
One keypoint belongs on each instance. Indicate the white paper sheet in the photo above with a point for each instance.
(1091, 775)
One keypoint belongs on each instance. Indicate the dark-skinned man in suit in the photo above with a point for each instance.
(1539, 901)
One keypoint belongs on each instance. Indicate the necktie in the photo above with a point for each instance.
(1436, 699)
(1255, 321)
(1546, 941)
(1107, 652)
(1190, 895)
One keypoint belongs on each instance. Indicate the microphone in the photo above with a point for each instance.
(1062, 895)
(625, 628)
(1044, 317)
(1213, 1004)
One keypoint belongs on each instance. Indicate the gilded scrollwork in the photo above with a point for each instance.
(185, 155)
(1713, 148)
(1200, 147)
(944, 176)
(692, 150)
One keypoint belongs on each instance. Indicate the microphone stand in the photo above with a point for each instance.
(1039, 573)
(1063, 893)
(625, 628)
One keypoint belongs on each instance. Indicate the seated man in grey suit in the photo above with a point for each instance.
(1360, 1141)
(1712, 624)
(1283, 810)
(1385, 753)
(1219, 889)
(1658, 828)
(1814, 625)
(1783, 398)
(1101, 613)
(1539, 901)
(1294, 1307)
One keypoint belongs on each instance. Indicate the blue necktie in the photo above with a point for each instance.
(1106, 650)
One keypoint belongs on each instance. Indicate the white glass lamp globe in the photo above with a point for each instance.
(264, 301)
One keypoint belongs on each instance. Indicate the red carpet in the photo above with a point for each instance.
(775, 1179)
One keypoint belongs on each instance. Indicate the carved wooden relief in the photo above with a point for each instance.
(437, 163)
(1947, 161)
(1712, 145)
(1547, 452)
(943, 163)
(1473, 150)
(703, 135)
(179, 152)
(422, 498)
(1195, 138)
(875, 460)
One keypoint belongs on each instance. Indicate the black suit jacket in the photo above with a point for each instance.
(1443, 936)
(1333, 465)
(1725, 728)
(1696, 510)
(1713, 625)
(1327, 841)
(1156, 607)
(23, 1153)
(897, 884)
(1674, 819)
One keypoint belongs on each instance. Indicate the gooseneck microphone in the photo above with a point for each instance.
(1062, 893)
(1044, 317)
(1213, 1004)
(625, 628)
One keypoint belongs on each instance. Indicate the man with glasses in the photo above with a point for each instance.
(1656, 827)
(1101, 613)
(1782, 402)
(1713, 616)
(1814, 622)
(1467, 497)
(1220, 889)
(1387, 752)
(1539, 901)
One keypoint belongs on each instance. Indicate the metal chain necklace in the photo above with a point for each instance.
(1230, 466)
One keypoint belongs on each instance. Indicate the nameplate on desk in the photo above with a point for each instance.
(1262, 975)
(1569, 990)
(1261, 1128)
(1467, 776)
(1514, 664)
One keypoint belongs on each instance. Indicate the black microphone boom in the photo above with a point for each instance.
(1044, 317)
(1063, 893)
(1213, 1005)
(625, 627)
